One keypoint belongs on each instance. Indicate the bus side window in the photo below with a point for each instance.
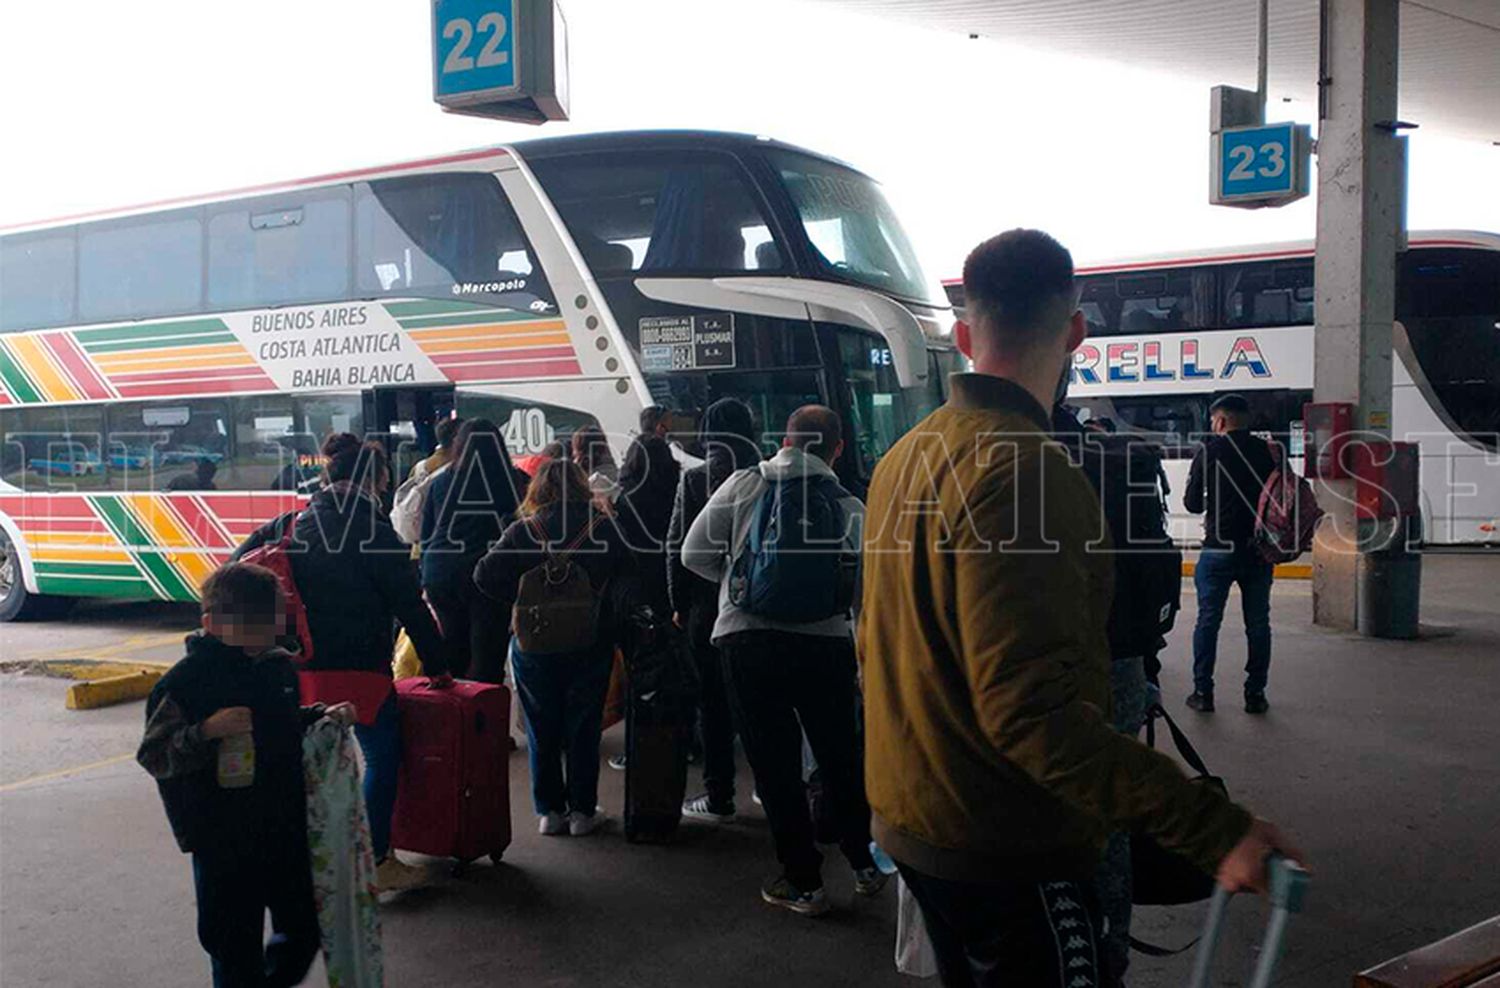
(1268, 293)
(54, 449)
(37, 272)
(278, 250)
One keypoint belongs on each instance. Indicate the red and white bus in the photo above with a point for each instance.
(1169, 333)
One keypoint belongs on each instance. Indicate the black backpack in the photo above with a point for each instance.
(1132, 486)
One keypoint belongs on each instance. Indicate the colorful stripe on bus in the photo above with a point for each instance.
(465, 342)
(135, 545)
(468, 343)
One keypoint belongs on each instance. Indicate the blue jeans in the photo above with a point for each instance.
(381, 744)
(1216, 572)
(563, 697)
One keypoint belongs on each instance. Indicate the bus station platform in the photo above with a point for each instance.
(1378, 756)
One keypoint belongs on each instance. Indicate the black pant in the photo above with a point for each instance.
(784, 685)
(476, 628)
(235, 888)
(715, 721)
(988, 935)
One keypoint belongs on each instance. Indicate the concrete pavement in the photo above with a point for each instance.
(1379, 756)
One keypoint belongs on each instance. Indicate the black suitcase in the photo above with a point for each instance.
(658, 728)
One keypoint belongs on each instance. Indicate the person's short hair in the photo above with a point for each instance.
(346, 457)
(815, 429)
(206, 465)
(1233, 405)
(446, 430)
(1021, 284)
(242, 591)
(651, 418)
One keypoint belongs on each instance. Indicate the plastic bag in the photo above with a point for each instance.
(914, 953)
(405, 664)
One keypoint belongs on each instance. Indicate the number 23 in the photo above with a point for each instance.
(489, 55)
(1244, 157)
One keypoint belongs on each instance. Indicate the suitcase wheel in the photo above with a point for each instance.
(495, 858)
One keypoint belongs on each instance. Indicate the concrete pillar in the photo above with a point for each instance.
(1360, 182)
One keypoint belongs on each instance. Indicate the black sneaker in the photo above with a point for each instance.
(783, 893)
(1256, 703)
(1201, 702)
(704, 808)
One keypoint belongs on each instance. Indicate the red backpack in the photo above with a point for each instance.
(1286, 516)
(277, 557)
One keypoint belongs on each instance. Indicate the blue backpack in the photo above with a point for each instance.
(794, 566)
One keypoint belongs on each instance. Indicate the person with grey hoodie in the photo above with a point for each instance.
(786, 679)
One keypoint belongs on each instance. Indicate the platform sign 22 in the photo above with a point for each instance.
(474, 48)
(1261, 166)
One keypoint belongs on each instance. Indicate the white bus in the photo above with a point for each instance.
(167, 371)
(1167, 334)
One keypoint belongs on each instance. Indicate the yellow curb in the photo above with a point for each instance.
(112, 689)
(1283, 571)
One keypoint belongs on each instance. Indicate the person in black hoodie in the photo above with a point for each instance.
(356, 579)
(562, 693)
(1224, 484)
(467, 508)
(648, 488)
(727, 435)
(244, 823)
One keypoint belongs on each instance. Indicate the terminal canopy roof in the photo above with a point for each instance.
(1450, 49)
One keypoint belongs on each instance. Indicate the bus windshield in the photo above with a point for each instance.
(853, 229)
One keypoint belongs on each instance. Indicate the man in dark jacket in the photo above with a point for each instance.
(1224, 485)
(247, 836)
(728, 438)
(356, 578)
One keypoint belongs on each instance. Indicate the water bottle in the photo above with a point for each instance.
(882, 860)
(237, 761)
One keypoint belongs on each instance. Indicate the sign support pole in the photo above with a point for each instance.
(1360, 181)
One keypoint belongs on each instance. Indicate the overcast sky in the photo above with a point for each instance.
(108, 103)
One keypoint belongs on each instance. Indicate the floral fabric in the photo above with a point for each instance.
(343, 864)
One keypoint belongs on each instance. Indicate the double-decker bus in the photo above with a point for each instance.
(1168, 334)
(167, 371)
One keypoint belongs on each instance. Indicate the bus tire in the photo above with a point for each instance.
(16, 602)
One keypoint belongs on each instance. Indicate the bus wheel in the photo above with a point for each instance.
(16, 602)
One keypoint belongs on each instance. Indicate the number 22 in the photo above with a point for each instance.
(489, 55)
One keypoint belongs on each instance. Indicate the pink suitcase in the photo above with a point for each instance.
(454, 796)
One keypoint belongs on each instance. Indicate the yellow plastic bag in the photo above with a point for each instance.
(404, 663)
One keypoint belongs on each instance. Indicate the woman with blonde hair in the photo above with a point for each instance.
(561, 525)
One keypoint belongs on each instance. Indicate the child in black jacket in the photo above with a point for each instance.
(248, 836)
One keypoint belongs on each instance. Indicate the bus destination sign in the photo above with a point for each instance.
(679, 343)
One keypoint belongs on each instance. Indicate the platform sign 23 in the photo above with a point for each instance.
(474, 48)
(1260, 166)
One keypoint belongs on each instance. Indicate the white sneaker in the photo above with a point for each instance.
(581, 824)
(552, 824)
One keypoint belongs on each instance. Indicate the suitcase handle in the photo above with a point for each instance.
(1287, 891)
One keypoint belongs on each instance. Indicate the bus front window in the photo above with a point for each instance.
(852, 228)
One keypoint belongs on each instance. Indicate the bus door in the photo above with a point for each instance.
(405, 420)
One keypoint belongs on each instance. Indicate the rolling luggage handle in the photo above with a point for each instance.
(1288, 888)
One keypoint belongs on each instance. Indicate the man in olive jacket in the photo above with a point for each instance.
(993, 773)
